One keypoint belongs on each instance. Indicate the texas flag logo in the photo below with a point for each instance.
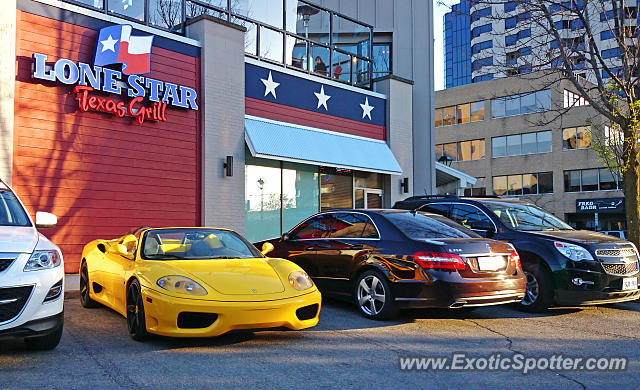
(116, 46)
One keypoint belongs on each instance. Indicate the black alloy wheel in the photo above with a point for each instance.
(136, 323)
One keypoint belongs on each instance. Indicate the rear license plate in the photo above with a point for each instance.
(491, 263)
(630, 283)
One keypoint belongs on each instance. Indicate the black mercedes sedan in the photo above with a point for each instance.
(386, 260)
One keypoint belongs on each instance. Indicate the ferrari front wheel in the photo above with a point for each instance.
(136, 323)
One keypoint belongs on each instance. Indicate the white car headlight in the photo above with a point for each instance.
(300, 280)
(43, 260)
(181, 284)
(574, 252)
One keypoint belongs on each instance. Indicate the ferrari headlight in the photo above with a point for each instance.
(300, 280)
(574, 252)
(43, 260)
(181, 284)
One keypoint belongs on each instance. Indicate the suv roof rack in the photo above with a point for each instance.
(431, 197)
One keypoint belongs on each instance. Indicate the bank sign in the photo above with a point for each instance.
(116, 46)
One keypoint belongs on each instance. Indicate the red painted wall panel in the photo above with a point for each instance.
(270, 110)
(102, 175)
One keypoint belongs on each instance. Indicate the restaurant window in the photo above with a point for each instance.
(278, 195)
(262, 199)
(300, 193)
(336, 188)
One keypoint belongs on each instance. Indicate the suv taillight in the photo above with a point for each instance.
(514, 259)
(439, 260)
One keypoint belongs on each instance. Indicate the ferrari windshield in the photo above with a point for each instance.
(525, 217)
(195, 244)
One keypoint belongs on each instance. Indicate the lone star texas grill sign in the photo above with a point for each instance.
(115, 45)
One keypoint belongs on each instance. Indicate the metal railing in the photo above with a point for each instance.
(349, 67)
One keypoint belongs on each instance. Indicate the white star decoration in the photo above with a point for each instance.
(109, 44)
(270, 86)
(322, 98)
(366, 109)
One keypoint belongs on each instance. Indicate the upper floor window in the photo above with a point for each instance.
(478, 47)
(576, 138)
(572, 99)
(476, 15)
(484, 77)
(461, 113)
(524, 184)
(525, 103)
(462, 151)
(476, 31)
(518, 144)
(596, 179)
(510, 6)
(477, 64)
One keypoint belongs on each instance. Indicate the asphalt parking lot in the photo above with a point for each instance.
(343, 351)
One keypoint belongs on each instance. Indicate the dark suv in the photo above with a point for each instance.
(563, 266)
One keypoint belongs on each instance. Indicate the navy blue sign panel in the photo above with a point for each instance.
(600, 205)
(294, 91)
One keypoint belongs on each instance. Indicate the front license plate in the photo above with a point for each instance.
(490, 263)
(630, 283)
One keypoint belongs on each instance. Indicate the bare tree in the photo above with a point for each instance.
(594, 45)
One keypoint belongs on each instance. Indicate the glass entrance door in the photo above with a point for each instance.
(367, 198)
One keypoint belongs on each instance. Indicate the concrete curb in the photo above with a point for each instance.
(71, 286)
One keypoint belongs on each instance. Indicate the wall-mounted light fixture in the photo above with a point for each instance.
(228, 166)
(404, 185)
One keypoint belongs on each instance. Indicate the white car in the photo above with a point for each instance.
(31, 276)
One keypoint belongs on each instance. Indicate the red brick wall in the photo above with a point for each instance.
(101, 175)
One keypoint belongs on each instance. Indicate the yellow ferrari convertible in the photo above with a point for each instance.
(195, 282)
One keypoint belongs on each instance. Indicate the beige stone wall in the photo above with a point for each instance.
(222, 105)
(7, 87)
(555, 120)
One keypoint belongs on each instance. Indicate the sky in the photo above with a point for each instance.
(440, 7)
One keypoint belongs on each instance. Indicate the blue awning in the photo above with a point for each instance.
(286, 142)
